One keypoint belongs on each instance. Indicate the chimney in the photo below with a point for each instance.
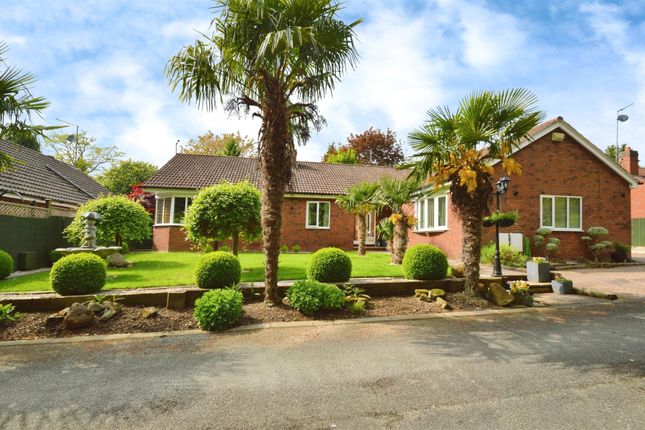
(628, 160)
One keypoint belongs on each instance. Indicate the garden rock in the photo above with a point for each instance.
(286, 301)
(54, 320)
(437, 293)
(109, 311)
(94, 307)
(443, 304)
(149, 312)
(499, 296)
(457, 270)
(117, 260)
(78, 317)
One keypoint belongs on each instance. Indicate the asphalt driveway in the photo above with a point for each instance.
(546, 368)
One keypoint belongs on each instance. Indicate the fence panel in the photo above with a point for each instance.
(638, 232)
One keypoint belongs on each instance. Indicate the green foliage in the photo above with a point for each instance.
(385, 229)
(8, 314)
(224, 248)
(125, 248)
(508, 255)
(82, 273)
(224, 211)
(395, 193)
(527, 247)
(543, 240)
(619, 255)
(360, 199)
(295, 248)
(341, 155)
(425, 262)
(284, 249)
(329, 265)
(219, 309)
(218, 269)
(355, 298)
(120, 178)
(54, 256)
(502, 218)
(122, 220)
(595, 243)
(6, 264)
(227, 144)
(84, 154)
(311, 296)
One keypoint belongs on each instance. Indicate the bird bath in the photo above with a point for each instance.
(89, 240)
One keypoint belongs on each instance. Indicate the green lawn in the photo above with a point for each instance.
(159, 269)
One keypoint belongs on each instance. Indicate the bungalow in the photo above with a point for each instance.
(628, 159)
(311, 218)
(568, 185)
(39, 197)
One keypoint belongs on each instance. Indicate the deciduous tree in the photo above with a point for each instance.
(340, 155)
(374, 146)
(120, 179)
(83, 154)
(231, 144)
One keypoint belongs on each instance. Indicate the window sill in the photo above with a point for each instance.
(317, 228)
(433, 230)
(571, 230)
(167, 225)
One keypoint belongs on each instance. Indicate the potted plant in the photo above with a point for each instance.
(521, 293)
(538, 270)
(562, 286)
(501, 219)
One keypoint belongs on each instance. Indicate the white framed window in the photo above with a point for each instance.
(432, 213)
(171, 210)
(561, 213)
(318, 215)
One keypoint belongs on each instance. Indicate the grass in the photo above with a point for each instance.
(159, 269)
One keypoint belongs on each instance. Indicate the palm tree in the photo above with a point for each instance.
(359, 201)
(460, 149)
(395, 194)
(17, 105)
(276, 58)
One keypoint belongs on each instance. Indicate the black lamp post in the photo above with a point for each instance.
(502, 187)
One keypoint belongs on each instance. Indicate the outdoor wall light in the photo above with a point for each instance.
(557, 137)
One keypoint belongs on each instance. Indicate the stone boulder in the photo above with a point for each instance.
(443, 304)
(149, 312)
(78, 317)
(117, 260)
(499, 296)
(436, 293)
(457, 270)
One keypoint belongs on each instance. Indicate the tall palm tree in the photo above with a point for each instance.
(460, 149)
(394, 194)
(17, 105)
(360, 200)
(276, 58)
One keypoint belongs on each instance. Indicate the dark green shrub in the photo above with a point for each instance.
(218, 269)
(620, 252)
(284, 249)
(6, 264)
(508, 255)
(125, 248)
(295, 249)
(310, 296)
(78, 274)
(329, 265)
(425, 262)
(503, 219)
(54, 256)
(219, 309)
(224, 248)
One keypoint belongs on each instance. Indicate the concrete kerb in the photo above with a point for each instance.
(295, 324)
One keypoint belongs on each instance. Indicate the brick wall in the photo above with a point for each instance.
(638, 202)
(294, 231)
(450, 241)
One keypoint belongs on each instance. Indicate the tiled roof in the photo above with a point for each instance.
(189, 171)
(41, 176)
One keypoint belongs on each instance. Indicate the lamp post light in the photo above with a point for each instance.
(620, 117)
(502, 186)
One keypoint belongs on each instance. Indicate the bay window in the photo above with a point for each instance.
(171, 210)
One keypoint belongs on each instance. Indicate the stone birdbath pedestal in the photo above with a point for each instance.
(89, 239)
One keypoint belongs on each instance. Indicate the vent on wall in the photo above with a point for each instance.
(557, 137)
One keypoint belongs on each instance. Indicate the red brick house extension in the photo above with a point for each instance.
(568, 185)
(311, 218)
(628, 159)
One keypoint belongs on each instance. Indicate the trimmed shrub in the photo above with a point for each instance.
(125, 248)
(329, 265)
(6, 264)
(284, 249)
(219, 309)
(310, 296)
(224, 248)
(508, 255)
(425, 262)
(295, 249)
(78, 274)
(218, 269)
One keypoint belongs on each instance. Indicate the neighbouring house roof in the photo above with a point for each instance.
(190, 171)
(549, 126)
(40, 176)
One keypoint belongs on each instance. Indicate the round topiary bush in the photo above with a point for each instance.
(309, 297)
(219, 309)
(6, 264)
(425, 262)
(329, 265)
(218, 269)
(78, 274)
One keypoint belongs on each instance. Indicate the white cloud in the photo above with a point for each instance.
(185, 28)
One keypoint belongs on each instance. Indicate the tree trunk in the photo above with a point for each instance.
(361, 232)
(277, 156)
(471, 224)
(400, 239)
(236, 241)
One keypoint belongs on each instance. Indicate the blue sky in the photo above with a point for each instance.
(100, 64)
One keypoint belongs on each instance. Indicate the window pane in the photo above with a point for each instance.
(547, 211)
(189, 201)
(165, 217)
(430, 203)
(421, 214)
(560, 212)
(180, 209)
(312, 214)
(158, 210)
(574, 212)
(323, 214)
(441, 208)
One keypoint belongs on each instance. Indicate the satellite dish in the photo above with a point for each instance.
(622, 117)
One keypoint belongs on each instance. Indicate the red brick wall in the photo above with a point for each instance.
(567, 168)
(638, 202)
(449, 241)
(294, 231)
